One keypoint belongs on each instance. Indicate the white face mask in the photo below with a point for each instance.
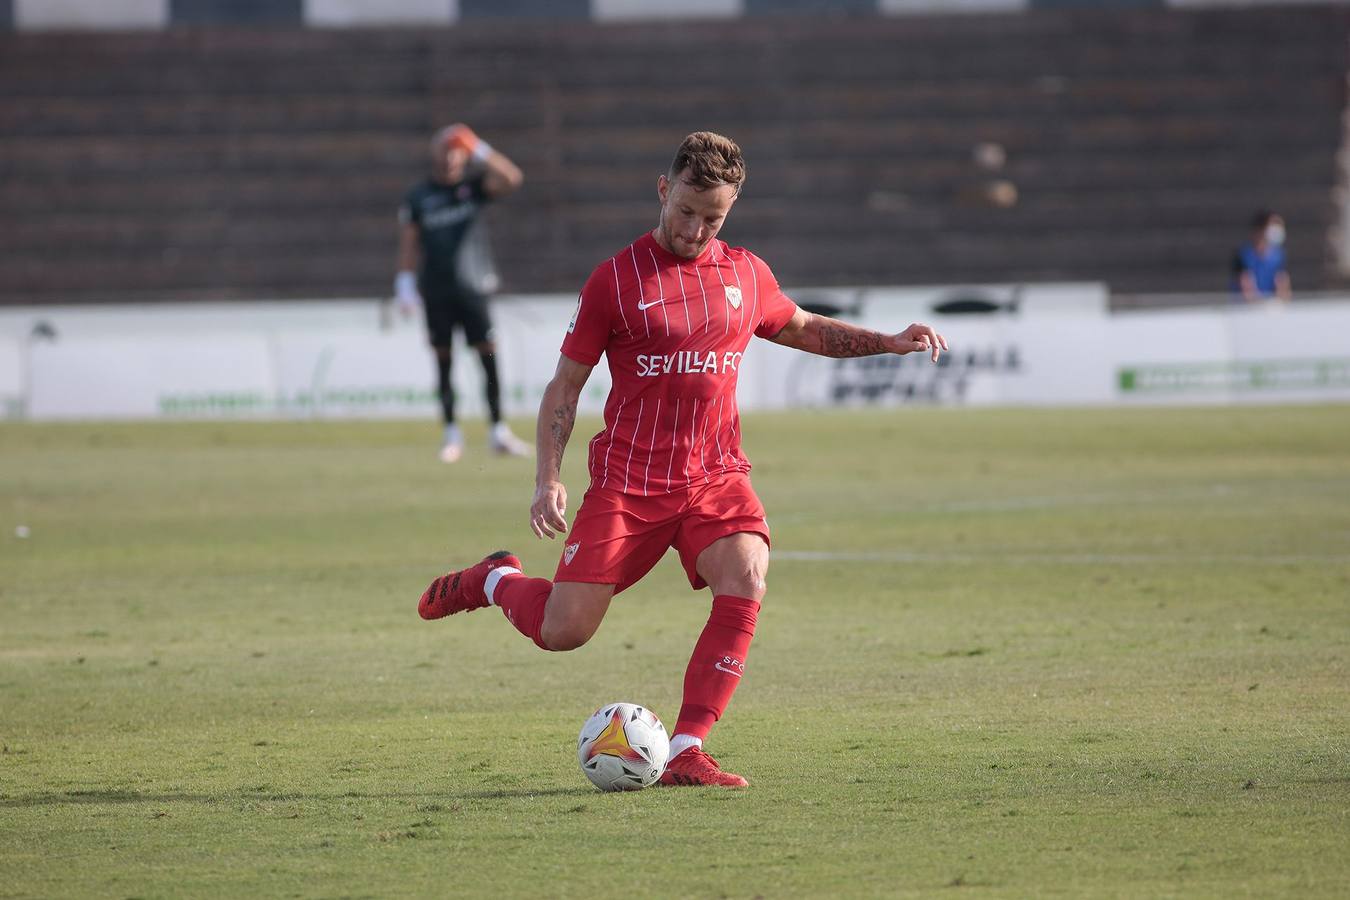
(1275, 235)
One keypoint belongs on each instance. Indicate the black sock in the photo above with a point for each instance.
(492, 387)
(445, 389)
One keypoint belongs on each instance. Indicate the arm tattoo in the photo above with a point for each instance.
(839, 340)
(564, 417)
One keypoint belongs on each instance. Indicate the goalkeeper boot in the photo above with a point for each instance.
(452, 444)
(504, 443)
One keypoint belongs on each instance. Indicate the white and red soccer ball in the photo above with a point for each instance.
(623, 747)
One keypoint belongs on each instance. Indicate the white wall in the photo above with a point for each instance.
(365, 13)
(36, 15)
(1040, 345)
(156, 14)
(633, 10)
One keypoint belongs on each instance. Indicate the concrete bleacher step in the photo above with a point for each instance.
(220, 162)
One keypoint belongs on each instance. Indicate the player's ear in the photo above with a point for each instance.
(662, 188)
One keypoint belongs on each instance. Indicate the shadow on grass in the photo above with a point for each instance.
(74, 798)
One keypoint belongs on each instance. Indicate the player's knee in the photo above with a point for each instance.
(751, 587)
(744, 580)
(566, 635)
(753, 572)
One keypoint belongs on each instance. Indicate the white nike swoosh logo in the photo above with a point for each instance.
(721, 668)
(642, 305)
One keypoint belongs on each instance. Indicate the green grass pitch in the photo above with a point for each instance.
(1005, 653)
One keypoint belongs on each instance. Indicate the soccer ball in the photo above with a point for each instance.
(623, 747)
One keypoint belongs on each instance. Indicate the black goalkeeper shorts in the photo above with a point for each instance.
(446, 312)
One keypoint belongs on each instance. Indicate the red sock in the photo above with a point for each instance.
(523, 600)
(718, 662)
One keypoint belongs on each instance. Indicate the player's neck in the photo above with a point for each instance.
(659, 239)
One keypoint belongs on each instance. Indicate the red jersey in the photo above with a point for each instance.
(674, 331)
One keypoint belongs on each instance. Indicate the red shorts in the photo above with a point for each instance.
(617, 538)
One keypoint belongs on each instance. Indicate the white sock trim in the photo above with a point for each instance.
(495, 576)
(682, 742)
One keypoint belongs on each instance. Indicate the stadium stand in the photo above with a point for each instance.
(223, 162)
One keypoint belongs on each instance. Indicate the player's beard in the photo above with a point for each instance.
(677, 246)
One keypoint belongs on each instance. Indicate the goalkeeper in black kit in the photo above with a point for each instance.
(445, 266)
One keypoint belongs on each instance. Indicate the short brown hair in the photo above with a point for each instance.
(712, 161)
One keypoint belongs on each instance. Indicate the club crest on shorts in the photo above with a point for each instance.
(734, 296)
(569, 552)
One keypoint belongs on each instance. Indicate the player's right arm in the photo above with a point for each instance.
(586, 339)
(405, 281)
(557, 415)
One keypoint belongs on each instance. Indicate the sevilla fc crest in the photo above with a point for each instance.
(570, 552)
(734, 296)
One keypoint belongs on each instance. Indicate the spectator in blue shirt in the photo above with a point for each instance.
(1259, 272)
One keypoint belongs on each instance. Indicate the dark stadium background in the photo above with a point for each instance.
(232, 152)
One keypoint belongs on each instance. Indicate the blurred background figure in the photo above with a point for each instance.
(996, 190)
(1260, 273)
(445, 266)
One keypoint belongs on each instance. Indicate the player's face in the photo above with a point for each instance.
(691, 218)
(450, 164)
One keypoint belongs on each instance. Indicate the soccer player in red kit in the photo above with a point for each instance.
(672, 313)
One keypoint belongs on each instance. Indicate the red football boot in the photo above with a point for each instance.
(694, 768)
(463, 590)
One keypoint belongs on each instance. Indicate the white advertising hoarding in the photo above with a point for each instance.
(1010, 345)
(13, 391)
(151, 377)
(1259, 354)
(266, 361)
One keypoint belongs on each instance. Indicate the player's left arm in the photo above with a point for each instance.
(830, 337)
(405, 278)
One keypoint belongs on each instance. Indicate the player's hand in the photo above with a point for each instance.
(920, 338)
(406, 297)
(462, 136)
(549, 509)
